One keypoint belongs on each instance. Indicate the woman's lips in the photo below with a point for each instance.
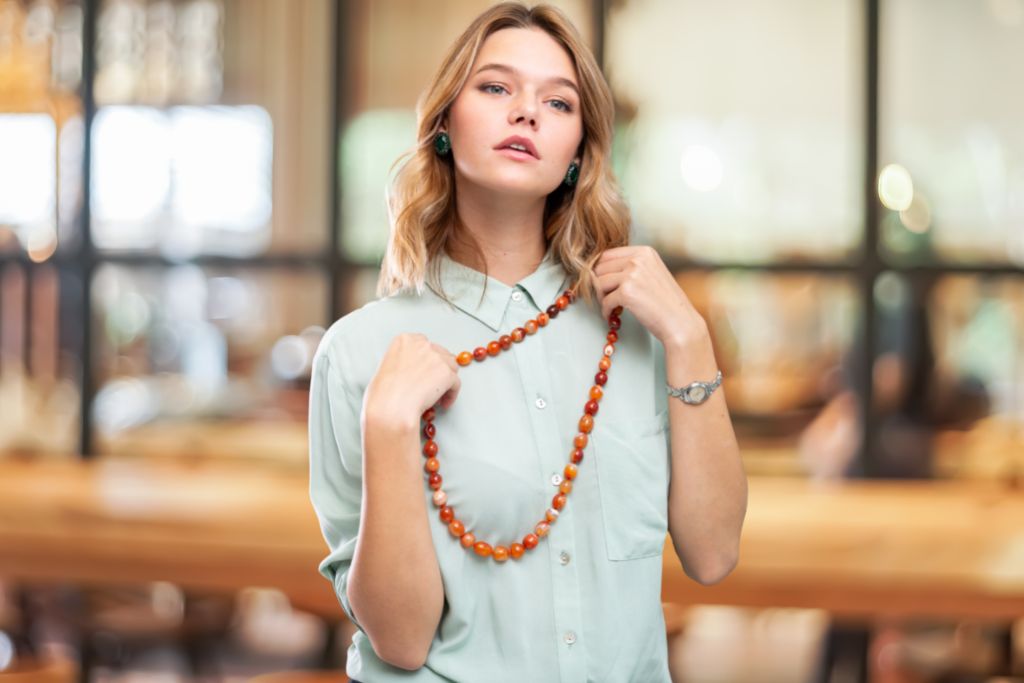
(516, 154)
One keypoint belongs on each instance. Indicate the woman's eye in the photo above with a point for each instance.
(487, 88)
(563, 106)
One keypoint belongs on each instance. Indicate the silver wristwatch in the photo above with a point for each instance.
(695, 393)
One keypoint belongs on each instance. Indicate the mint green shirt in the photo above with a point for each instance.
(585, 605)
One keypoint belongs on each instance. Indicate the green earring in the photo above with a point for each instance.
(572, 175)
(442, 144)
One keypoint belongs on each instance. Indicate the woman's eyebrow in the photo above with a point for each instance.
(515, 72)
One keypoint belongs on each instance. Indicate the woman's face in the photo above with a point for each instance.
(522, 84)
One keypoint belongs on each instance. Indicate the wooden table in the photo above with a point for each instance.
(859, 549)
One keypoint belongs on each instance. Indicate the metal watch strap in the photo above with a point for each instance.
(695, 393)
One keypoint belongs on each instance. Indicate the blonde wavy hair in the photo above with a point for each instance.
(580, 222)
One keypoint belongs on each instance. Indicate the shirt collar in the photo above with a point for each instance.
(463, 286)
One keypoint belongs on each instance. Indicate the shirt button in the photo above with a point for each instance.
(564, 557)
(556, 479)
(540, 403)
(517, 295)
(569, 637)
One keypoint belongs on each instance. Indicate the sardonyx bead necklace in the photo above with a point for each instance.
(515, 550)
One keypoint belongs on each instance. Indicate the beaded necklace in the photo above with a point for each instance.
(515, 550)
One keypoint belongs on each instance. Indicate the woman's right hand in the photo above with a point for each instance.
(413, 375)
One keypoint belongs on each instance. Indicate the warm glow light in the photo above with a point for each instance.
(918, 216)
(701, 168)
(28, 173)
(895, 187)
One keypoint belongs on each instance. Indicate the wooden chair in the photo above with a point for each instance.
(53, 669)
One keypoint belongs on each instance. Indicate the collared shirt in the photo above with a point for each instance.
(585, 604)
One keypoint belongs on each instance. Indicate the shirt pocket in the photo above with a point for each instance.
(633, 477)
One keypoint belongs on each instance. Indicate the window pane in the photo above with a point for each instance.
(951, 144)
(741, 140)
(193, 362)
(392, 59)
(213, 128)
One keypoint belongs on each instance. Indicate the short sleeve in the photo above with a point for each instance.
(335, 467)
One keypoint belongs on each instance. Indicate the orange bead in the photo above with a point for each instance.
(571, 471)
(467, 539)
(542, 529)
(518, 334)
(447, 514)
(586, 424)
(516, 550)
(558, 502)
(604, 363)
(479, 353)
(596, 392)
(482, 549)
(580, 441)
(612, 337)
(530, 541)
(432, 465)
(500, 553)
(542, 319)
(505, 341)
(430, 449)
(464, 358)
(550, 515)
(456, 528)
(434, 481)
(562, 302)
(566, 487)
(494, 348)
(531, 326)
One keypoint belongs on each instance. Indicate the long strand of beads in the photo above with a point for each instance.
(502, 552)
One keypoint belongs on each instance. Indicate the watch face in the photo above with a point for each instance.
(697, 393)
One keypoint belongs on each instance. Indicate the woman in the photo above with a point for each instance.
(534, 554)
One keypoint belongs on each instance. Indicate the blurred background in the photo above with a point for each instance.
(191, 191)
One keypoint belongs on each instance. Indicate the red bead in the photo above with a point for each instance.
(479, 353)
(612, 337)
(516, 550)
(531, 326)
(586, 424)
(429, 430)
(456, 528)
(558, 502)
(434, 481)
(580, 441)
(505, 341)
(577, 456)
(530, 541)
(432, 465)
(500, 553)
(614, 322)
(542, 319)
(482, 549)
(467, 539)
(430, 448)
(563, 301)
(464, 358)
(493, 348)
(553, 311)
(596, 392)
(604, 363)
(518, 334)
(428, 414)
(591, 407)
(617, 311)
(447, 514)
(571, 471)
(601, 378)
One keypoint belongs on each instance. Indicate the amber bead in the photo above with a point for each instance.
(428, 414)
(550, 515)
(464, 358)
(505, 341)
(434, 481)
(609, 349)
(432, 465)
(612, 337)
(558, 502)
(542, 319)
(479, 353)
(447, 514)
(429, 430)
(566, 487)
(430, 448)
(571, 471)
(456, 528)
(542, 529)
(586, 424)
(482, 549)
(516, 550)
(493, 348)
(500, 553)
(467, 539)
(563, 301)
(591, 407)
(580, 440)
(531, 326)
(530, 541)
(604, 363)
(614, 322)
(601, 378)
(577, 456)
(518, 334)
(553, 311)
(440, 498)
(617, 310)
(596, 392)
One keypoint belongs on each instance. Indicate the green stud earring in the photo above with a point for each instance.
(572, 175)
(442, 144)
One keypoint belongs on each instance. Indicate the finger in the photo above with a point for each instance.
(610, 281)
(612, 264)
(448, 357)
(609, 303)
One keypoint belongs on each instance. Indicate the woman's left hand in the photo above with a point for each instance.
(636, 278)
